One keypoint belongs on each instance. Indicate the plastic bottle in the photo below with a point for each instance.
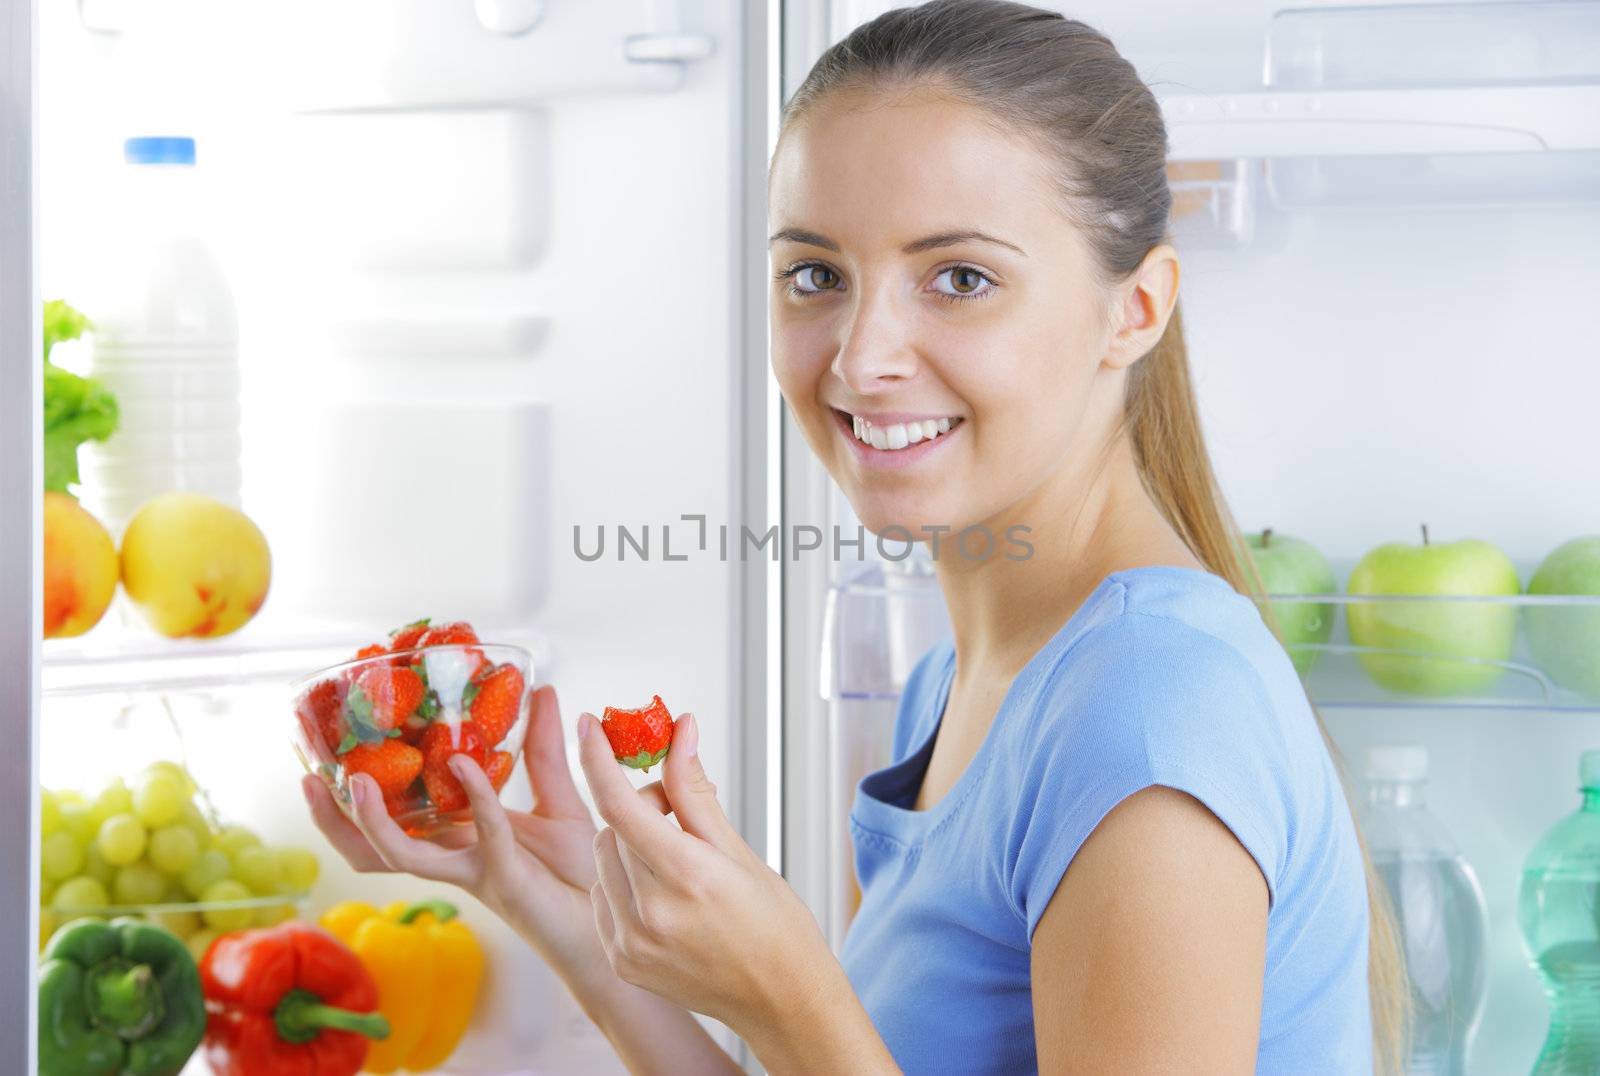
(1557, 912)
(1438, 905)
(165, 341)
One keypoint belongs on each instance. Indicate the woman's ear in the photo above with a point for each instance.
(1144, 303)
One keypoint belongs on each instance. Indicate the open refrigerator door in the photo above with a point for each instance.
(1384, 214)
(429, 217)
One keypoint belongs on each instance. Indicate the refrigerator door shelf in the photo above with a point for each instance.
(876, 625)
(1281, 124)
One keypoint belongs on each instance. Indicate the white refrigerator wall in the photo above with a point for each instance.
(1365, 371)
(464, 334)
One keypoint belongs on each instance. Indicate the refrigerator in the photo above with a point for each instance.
(456, 234)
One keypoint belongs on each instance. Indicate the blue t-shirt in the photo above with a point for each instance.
(1164, 676)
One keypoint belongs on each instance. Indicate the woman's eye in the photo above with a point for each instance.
(965, 283)
(811, 279)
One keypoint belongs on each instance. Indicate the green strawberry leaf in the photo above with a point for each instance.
(424, 622)
(360, 704)
(643, 760)
(470, 694)
(421, 669)
(347, 744)
(428, 709)
(392, 733)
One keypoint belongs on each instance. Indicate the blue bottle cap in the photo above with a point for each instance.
(158, 151)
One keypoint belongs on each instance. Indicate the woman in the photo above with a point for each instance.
(1113, 839)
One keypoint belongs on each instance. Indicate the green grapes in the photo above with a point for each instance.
(159, 799)
(138, 883)
(225, 919)
(80, 894)
(49, 813)
(114, 798)
(95, 865)
(60, 856)
(258, 868)
(231, 840)
(175, 772)
(208, 868)
(173, 848)
(122, 839)
(76, 820)
(299, 867)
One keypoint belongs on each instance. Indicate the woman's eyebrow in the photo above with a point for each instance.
(931, 242)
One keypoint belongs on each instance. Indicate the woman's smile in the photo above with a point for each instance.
(895, 439)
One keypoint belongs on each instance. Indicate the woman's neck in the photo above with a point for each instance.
(1086, 523)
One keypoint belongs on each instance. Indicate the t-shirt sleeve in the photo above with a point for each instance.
(1142, 701)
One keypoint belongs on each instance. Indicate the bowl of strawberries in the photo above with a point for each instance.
(398, 712)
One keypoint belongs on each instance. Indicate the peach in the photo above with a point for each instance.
(80, 567)
(194, 566)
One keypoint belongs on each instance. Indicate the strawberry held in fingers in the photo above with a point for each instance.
(639, 738)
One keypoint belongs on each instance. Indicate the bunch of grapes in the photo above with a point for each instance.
(150, 843)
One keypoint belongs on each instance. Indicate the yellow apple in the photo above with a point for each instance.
(194, 566)
(80, 567)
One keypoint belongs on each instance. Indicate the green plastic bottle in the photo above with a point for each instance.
(1559, 913)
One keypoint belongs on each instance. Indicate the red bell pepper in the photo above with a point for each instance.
(289, 1000)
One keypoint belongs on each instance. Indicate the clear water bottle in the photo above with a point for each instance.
(1560, 920)
(1439, 908)
(165, 341)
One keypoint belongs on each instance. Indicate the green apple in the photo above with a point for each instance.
(1469, 637)
(1293, 566)
(1565, 639)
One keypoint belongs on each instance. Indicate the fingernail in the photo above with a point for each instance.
(457, 766)
(584, 721)
(358, 790)
(691, 736)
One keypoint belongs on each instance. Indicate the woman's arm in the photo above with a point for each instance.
(1151, 954)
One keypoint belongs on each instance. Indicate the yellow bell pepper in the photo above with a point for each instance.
(428, 968)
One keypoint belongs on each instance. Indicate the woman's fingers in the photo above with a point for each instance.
(345, 838)
(656, 796)
(693, 796)
(398, 851)
(488, 817)
(635, 821)
(544, 754)
(614, 878)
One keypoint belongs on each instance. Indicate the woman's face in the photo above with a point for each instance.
(942, 377)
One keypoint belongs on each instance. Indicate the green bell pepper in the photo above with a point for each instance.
(117, 998)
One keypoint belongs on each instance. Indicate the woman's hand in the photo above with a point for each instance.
(694, 915)
(533, 869)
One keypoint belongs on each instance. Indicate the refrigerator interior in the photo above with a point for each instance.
(490, 268)
(1385, 330)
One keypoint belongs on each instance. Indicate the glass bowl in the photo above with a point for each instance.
(400, 716)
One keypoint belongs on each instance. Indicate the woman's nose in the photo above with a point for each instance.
(876, 349)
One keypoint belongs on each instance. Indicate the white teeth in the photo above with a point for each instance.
(900, 435)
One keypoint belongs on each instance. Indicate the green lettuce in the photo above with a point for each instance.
(76, 409)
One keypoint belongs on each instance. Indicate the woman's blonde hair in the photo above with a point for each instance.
(1064, 86)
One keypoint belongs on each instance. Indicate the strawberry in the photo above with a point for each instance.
(407, 638)
(456, 633)
(384, 696)
(439, 743)
(322, 709)
(392, 764)
(498, 703)
(639, 738)
(498, 769)
(373, 651)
